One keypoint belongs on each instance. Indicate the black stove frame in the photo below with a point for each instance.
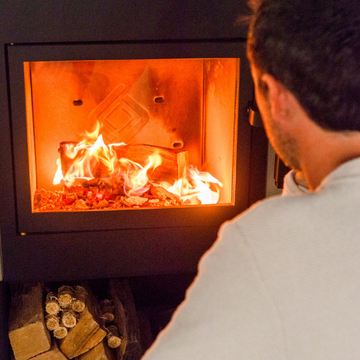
(94, 247)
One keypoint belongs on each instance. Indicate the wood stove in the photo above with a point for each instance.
(181, 71)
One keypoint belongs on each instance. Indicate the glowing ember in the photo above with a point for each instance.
(99, 176)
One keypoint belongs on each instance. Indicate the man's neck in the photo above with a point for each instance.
(325, 151)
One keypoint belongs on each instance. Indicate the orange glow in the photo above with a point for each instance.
(58, 175)
(136, 179)
(196, 188)
(186, 108)
(93, 159)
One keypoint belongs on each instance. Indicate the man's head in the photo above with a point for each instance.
(312, 47)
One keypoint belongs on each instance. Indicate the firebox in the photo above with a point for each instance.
(165, 132)
(125, 138)
(155, 134)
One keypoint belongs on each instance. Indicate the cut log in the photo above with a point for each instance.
(169, 169)
(65, 296)
(53, 354)
(120, 321)
(100, 352)
(52, 321)
(60, 332)
(27, 330)
(84, 336)
(146, 335)
(107, 310)
(88, 332)
(113, 337)
(126, 320)
(52, 304)
(78, 303)
(69, 318)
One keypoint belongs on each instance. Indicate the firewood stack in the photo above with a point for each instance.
(63, 309)
(71, 323)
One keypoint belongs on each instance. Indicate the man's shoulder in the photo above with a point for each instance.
(288, 216)
(265, 218)
(279, 214)
(276, 206)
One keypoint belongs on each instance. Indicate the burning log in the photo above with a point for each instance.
(183, 164)
(126, 320)
(27, 330)
(112, 177)
(169, 169)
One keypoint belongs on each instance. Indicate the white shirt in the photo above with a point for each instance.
(282, 281)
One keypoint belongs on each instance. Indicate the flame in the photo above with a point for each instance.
(85, 157)
(196, 187)
(90, 136)
(136, 178)
(91, 158)
(58, 175)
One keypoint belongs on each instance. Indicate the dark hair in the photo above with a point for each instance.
(313, 48)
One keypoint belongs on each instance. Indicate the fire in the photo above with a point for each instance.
(85, 155)
(82, 164)
(136, 179)
(58, 175)
(196, 187)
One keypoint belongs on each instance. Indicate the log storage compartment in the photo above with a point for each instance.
(87, 320)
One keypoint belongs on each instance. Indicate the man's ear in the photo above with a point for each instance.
(277, 96)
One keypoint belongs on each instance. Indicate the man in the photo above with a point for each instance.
(283, 279)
